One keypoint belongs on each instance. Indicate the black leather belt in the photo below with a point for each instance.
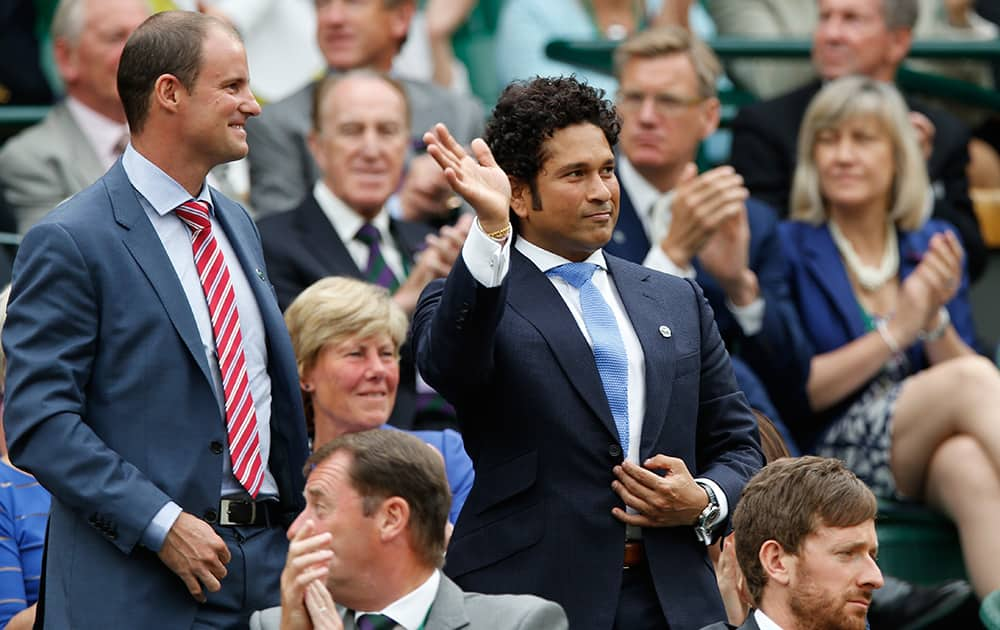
(237, 512)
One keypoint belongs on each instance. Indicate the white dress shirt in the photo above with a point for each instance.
(410, 610)
(159, 195)
(765, 622)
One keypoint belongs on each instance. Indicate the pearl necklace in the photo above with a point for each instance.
(871, 278)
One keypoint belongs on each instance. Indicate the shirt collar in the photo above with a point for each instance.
(764, 622)
(642, 194)
(546, 260)
(345, 220)
(410, 610)
(102, 132)
(159, 189)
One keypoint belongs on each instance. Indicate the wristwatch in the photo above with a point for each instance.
(703, 527)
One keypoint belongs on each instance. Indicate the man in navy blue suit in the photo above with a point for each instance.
(701, 226)
(595, 396)
(152, 387)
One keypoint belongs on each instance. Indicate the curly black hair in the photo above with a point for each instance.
(528, 113)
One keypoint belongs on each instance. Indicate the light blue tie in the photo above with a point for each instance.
(609, 350)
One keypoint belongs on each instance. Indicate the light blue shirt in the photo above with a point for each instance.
(159, 195)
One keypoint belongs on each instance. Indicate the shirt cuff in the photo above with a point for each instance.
(721, 497)
(487, 260)
(749, 317)
(158, 528)
(658, 260)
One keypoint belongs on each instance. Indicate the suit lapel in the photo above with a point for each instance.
(824, 264)
(321, 239)
(538, 301)
(647, 316)
(145, 247)
(448, 609)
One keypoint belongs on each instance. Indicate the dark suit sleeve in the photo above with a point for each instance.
(757, 155)
(281, 268)
(728, 447)
(50, 339)
(454, 327)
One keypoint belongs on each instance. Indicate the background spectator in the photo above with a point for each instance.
(82, 136)
(347, 335)
(894, 388)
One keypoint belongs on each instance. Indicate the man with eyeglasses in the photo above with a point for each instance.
(701, 226)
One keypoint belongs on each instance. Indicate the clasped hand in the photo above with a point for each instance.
(667, 500)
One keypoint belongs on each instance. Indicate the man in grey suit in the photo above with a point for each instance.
(805, 541)
(83, 135)
(372, 539)
(358, 34)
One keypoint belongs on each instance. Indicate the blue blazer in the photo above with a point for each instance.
(539, 430)
(829, 310)
(110, 401)
(457, 465)
(778, 355)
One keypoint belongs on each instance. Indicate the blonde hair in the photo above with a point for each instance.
(671, 40)
(334, 309)
(851, 97)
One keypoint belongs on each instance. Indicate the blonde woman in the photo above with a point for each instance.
(895, 388)
(347, 335)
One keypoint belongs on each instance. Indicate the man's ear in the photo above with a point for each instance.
(777, 563)
(400, 18)
(168, 92)
(66, 59)
(711, 114)
(900, 41)
(316, 149)
(521, 199)
(393, 517)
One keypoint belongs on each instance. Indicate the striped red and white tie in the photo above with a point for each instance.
(241, 417)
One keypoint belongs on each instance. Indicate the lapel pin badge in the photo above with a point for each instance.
(665, 331)
(260, 274)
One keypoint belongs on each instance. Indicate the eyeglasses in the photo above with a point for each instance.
(664, 103)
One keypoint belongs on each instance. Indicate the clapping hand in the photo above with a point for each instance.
(307, 563)
(702, 203)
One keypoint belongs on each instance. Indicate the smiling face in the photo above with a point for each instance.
(220, 101)
(833, 577)
(362, 142)
(664, 118)
(576, 206)
(361, 33)
(353, 385)
(853, 38)
(856, 165)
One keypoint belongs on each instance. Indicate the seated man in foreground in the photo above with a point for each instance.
(805, 540)
(372, 538)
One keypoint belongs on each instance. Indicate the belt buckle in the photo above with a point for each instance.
(227, 505)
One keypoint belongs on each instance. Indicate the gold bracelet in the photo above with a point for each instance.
(500, 234)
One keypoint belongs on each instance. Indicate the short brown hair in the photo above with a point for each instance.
(791, 498)
(388, 463)
(166, 43)
(671, 40)
(327, 83)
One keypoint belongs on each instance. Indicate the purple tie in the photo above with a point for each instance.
(375, 622)
(377, 271)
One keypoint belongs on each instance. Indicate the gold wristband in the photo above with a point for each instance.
(500, 234)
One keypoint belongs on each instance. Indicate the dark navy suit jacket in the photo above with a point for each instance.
(829, 310)
(539, 430)
(110, 402)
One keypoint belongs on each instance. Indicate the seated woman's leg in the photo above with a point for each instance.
(957, 397)
(962, 482)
